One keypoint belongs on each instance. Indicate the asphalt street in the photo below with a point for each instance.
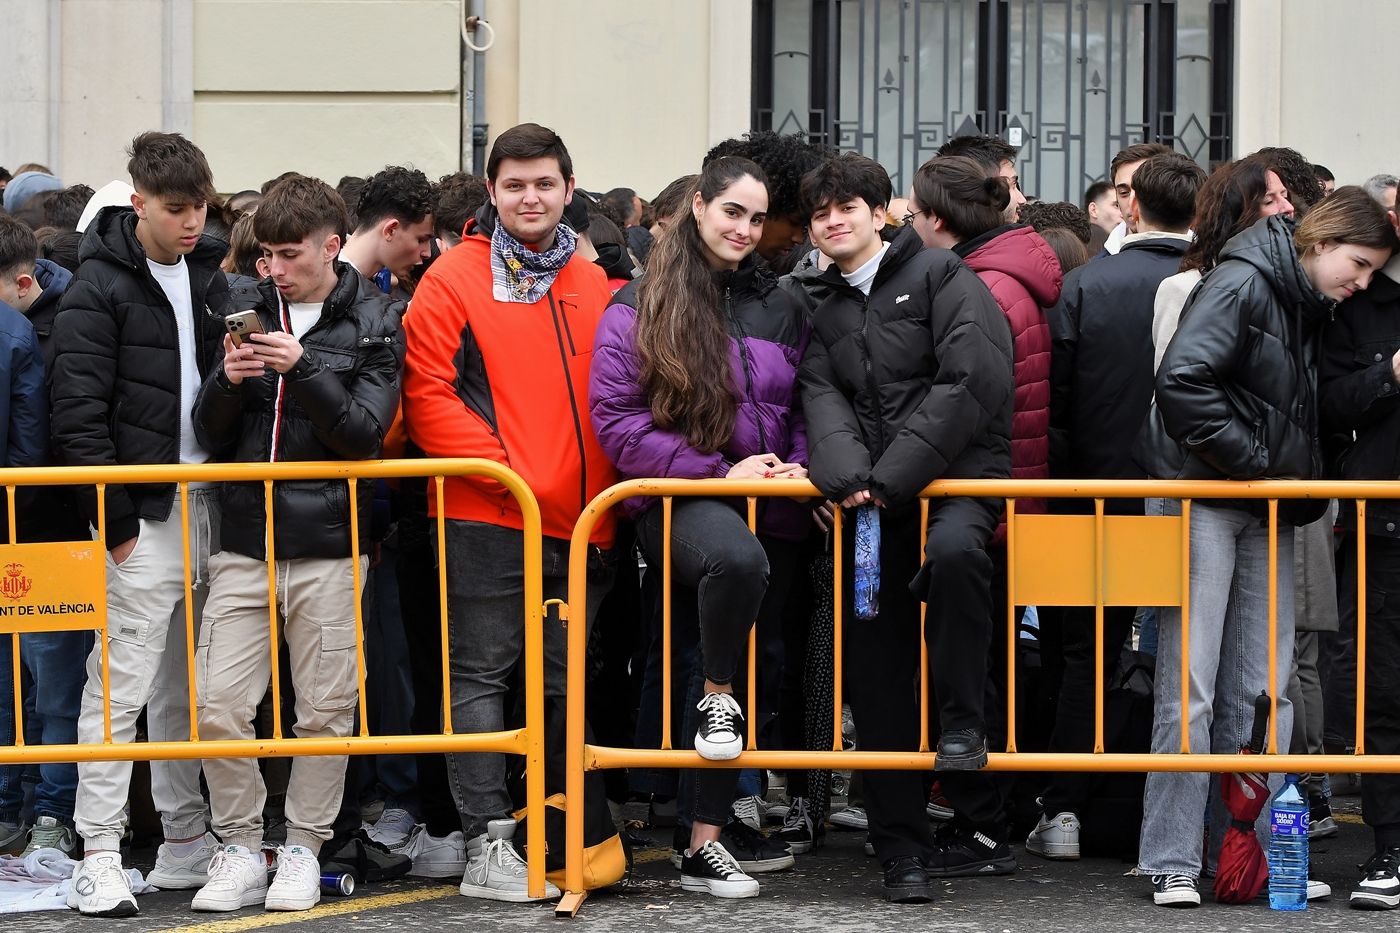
(834, 889)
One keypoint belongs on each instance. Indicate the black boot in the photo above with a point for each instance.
(906, 881)
(961, 750)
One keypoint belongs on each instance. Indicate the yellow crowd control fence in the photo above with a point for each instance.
(60, 587)
(1094, 559)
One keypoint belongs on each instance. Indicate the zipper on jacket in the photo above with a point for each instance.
(748, 370)
(870, 371)
(573, 405)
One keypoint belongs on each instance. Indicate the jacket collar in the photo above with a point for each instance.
(904, 246)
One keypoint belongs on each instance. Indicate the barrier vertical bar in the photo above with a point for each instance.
(1098, 625)
(272, 612)
(1273, 626)
(535, 685)
(576, 739)
(1360, 626)
(16, 662)
(1011, 633)
(837, 596)
(189, 606)
(1185, 661)
(442, 607)
(752, 712)
(924, 697)
(102, 633)
(666, 505)
(353, 483)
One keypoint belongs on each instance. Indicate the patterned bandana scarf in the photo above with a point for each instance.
(519, 274)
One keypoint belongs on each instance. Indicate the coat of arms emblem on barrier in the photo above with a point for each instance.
(15, 585)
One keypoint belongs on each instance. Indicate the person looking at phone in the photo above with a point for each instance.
(132, 341)
(319, 382)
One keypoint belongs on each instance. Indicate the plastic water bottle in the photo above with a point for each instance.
(1288, 847)
(867, 562)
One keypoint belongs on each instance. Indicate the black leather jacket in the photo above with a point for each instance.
(337, 403)
(1237, 387)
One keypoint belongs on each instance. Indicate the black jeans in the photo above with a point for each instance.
(1380, 793)
(719, 576)
(953, 573)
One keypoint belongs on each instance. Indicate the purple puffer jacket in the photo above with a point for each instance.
(768, 333)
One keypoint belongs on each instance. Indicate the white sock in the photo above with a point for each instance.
(182, 849)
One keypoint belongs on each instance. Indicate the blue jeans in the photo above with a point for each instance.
(1229, 666)
(54, 664)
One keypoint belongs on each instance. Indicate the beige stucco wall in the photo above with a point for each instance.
(1316, 76)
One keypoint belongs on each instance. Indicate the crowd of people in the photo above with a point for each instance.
(781, 313)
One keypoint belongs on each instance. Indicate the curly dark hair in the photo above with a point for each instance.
(404, 194)
(459, 196)
(1296, 173)
(784, 159)
(1062, 215)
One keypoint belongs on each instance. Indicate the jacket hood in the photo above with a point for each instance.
(614, 261)
(1021, 253)
(112, 237)
(1268, 247)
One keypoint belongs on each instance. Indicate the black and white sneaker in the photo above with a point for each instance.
(1175, 891)
(802, 830)
(1379, 888)
(964, 853)
(712, 870)
(719, 738)
(756, 853)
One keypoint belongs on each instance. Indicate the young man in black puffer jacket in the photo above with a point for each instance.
(321, 383)
(907, 379)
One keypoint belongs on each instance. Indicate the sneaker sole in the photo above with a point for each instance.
(1365, 900)
(1003, 866)
(938, 814)
(176, 882)
(512, 897)
(123, 909)
(848, 823)
(764, 866)
(717, 751)
(1176, 900)
(290, 904)
(444, 870)
(1323, 830)
(974, 761)
(249, 899)
(718, 888)
(1055, 851)
(909, 894)
(801, 848)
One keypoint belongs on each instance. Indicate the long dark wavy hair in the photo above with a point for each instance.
(682, 341)
(1227, 204)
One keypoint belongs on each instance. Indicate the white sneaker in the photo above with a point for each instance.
(100, 888)
(237, 878)
(1055, 839)
(435, 857)
(297, 885)
(495, 871)
(49, 833)
(718, 738)
(183, 873)
(751, 811)
(850, 818)
(392, 829)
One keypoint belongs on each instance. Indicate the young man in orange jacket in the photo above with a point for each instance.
(499, 340)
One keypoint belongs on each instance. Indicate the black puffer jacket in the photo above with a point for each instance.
(337, 403)
(1360, 397)
(116, 373)
(910, 384)
(1237, 387)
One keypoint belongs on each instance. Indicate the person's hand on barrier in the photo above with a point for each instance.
(788, 471)
(759, 466)
(824, 516)
(856, 499)
(240, 362)
(280, 350)
(122, 551)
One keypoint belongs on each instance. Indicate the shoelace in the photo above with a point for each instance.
(109, 873)
(1382, 863)
(47, 837)
(719, 859)
(746, 808)
(505, 856)
(799, 815)
(296, 869)
(1175, 882)
(721, 709)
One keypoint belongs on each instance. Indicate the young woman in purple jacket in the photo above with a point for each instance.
(693, 377)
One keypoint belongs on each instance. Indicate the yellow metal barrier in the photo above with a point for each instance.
(1054, 560)
(528, 741)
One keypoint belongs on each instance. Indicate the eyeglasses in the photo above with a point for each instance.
(908, 218)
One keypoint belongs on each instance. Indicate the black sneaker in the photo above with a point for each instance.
(367, 860)
(719, 737)
(1379, 888)
(1175, 891)
(907, 881)
(802, 829)
(712, 870)
(755, 852)
(965, 853)
(1321, 825)
(961, 750)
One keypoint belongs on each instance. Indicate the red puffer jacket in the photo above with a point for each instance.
(1023, 275)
